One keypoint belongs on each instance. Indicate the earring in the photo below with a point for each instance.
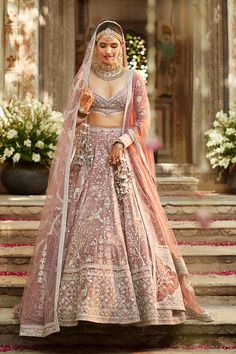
(95, 60)
(120, 58)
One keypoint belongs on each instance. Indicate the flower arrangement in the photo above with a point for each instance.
(28, 131)
(221, 141)
(136, 53)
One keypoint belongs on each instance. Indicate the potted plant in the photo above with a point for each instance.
(221, 146)
(28, 135)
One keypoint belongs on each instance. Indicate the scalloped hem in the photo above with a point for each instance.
(180, 318)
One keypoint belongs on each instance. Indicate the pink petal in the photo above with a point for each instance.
(203, 218)
(154, 143)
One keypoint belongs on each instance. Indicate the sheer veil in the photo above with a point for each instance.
(38, 308)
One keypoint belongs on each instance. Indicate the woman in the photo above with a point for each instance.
(104, 251)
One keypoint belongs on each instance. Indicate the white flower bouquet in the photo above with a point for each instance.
(28, 131)
(221, 141)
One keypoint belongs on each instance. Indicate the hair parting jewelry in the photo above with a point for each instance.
(108, 33)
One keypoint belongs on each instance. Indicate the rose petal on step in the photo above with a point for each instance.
(203, 218)
(154, 143)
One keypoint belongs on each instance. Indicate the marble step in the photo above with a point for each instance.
(24, 231)
(222, 331)
(218, 205)
(205, 285)
(197, 258)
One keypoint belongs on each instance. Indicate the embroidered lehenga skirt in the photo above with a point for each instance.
(108, 273)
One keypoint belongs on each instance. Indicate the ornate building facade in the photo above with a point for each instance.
(192, 43)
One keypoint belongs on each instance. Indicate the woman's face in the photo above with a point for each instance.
(108, 50)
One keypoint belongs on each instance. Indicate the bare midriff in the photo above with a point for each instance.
(113, 120)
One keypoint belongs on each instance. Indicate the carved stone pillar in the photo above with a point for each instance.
(232, 49)
(2, 51)
(209, 72)
(19, 57)
(57, 51)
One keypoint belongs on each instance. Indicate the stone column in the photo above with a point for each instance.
(57, 51)
(209, 72)
(2, 51)
(232, 49)
(20, 53)
(151, 32)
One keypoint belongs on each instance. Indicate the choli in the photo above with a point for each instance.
(114, 104)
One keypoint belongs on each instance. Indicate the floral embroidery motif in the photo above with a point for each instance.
(167, 280)
(42, 264)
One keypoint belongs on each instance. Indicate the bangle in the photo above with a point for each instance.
(82, 115)
(119, 144)
(82, 110)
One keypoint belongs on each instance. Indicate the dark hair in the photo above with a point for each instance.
(110, 25)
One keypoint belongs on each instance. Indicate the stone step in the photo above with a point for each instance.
(12, 231)
(221, 331)
(218, 231)
(217, 299)
(96, 350)
(212, 258)
(206, 286)
(175, 205)
(29, 206)
(197, 258)
(217, 205)
(176, 184)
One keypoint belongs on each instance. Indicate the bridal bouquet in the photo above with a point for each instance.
(221, 141)
(28, 131)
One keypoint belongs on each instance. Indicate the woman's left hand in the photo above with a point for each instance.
(117, 154)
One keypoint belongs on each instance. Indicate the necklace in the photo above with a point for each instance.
(107, 72)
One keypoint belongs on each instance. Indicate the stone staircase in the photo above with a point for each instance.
(210, 255)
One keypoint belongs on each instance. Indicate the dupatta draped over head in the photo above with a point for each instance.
(38, 308)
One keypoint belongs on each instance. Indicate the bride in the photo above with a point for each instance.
(105, 251)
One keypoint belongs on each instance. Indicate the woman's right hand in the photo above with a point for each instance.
(86, 99)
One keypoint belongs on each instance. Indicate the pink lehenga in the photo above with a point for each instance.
(105, 251)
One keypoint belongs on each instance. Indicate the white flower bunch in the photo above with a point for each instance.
(136, 54)
(221, 140)
(28, 131)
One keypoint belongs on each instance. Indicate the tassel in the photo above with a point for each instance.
(122, 179)
(84, 154)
